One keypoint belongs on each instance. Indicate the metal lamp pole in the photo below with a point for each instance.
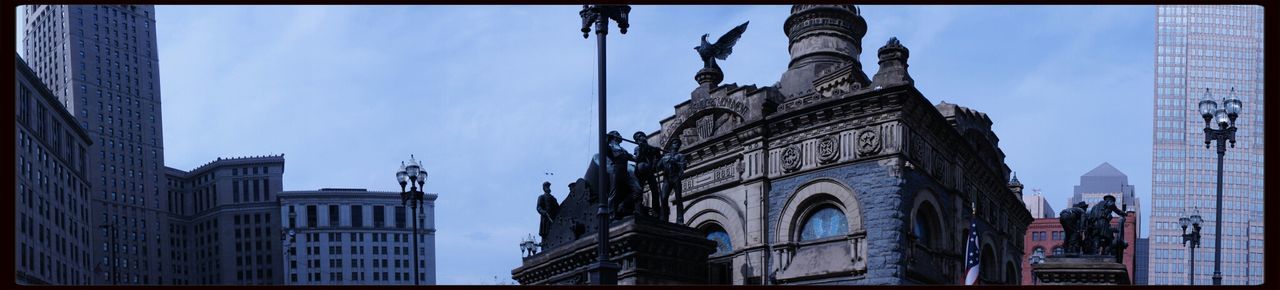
(1194, 239)
(1226, 119)
(414, 174)
(603, 271)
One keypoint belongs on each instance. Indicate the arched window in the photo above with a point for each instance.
(1010, 276)
(717, 234)
(825, 222)
(925, 225)
(1057, 251)
(1038, 251)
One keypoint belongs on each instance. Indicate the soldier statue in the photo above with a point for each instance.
(548, 208)
(1101, 239)
(672, 165)
(624, 187)
(646, 172)
(1072, 220)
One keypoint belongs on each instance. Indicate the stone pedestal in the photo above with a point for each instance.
(1081, 270)
(649, 252)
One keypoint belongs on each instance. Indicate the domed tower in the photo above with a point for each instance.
(821, 37)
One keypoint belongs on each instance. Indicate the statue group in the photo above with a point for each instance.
(630, 173)
(1089, 232)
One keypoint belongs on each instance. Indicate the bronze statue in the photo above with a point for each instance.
(722, 48)
(1100, 237)
(672, 165)
(1072, 219)
(548, 208)
(646, 172)
(624, 188)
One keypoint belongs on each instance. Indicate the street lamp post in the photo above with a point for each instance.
(1226, 119)
(1194, 239)
(115, 263)
(413, 174)
(288, 242)
(603, 272)
(1037, 257)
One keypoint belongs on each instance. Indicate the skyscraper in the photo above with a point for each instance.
(1102, 181)
(1214, 47)
(100, 62)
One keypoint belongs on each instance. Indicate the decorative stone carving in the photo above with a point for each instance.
(869, 142)
(790, 159)
(828, 149)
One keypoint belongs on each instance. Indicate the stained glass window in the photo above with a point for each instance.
(826, 222)
(723, 243)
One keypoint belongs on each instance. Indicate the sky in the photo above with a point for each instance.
(497, 99)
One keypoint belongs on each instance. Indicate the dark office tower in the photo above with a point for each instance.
(100, 61)
(1218, 47)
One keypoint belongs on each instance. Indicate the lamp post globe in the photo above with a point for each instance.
(1207, 105)
(1232, 104)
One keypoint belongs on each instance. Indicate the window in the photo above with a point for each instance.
(925, 225)
(823, 223)
(1057, 251)
(723, 242)
(357, 216)
(400, 217)
(378, 216)
(311, 216)
(333, 215)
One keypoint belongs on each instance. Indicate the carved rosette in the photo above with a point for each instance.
(869, 142)
(790, 159)
(828, 149)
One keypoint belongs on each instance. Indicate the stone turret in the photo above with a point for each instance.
(893, 65)
(821, 37)
(1016, 186)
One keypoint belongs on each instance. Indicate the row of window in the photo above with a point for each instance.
(356, 216)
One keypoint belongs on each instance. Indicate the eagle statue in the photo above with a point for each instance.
(722, 48)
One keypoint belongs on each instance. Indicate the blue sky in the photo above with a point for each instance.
(492, 98)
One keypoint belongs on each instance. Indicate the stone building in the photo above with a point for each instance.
(51, 215)
(834, 177)
(101, 63)
(1045, 235)
(354, 237)
(223, 225)
(1038, 206)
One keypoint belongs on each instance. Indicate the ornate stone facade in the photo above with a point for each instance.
(832, 178)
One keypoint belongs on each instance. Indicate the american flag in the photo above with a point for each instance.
(971, 255)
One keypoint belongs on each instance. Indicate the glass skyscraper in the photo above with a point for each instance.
(101, 63)
(1214, 47)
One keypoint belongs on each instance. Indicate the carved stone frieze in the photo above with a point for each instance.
(828, 149)
(790, 159)
(869, 142)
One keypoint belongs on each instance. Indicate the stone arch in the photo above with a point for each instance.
(714, 208)
(691, 120)
(1010, 273)
(943, 231)
(811, 196)
(988, 263)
